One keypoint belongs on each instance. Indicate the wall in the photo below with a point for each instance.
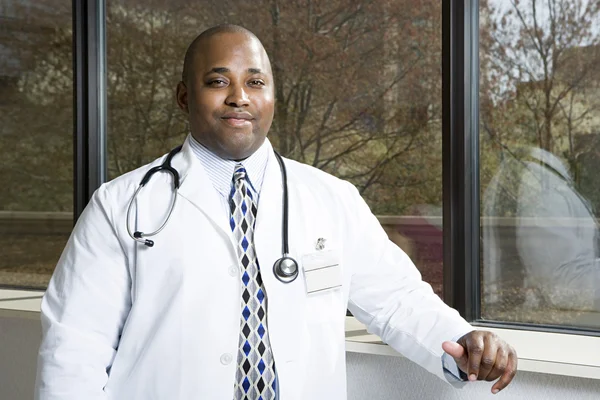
(369, 376)
(19, 342)
(386, 377)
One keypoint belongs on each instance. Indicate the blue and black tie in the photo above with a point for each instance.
(255, 375)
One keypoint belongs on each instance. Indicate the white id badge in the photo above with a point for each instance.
(322, 271)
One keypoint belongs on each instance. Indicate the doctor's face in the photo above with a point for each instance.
(228, 95)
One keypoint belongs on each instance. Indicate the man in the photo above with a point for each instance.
(201, 313)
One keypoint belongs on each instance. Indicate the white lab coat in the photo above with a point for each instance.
(122, 321)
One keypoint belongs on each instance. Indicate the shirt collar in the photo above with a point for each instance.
(220, 170)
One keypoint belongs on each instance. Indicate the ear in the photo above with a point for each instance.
(182, 97)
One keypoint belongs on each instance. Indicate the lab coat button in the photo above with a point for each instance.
(226, 359)
(233, 270)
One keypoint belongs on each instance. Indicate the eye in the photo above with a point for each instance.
(216, 82)
(256, 82)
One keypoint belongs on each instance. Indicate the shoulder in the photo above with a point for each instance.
(319, 183)
(301, 171)
(120, 189)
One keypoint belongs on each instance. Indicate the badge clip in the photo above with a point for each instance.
(320, 244)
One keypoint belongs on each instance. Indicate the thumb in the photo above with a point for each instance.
(454, 349)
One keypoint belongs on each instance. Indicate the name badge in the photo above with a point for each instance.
(322, 271)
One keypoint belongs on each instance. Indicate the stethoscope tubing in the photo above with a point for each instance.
(285, 268)
(139, 236)
(284, 225)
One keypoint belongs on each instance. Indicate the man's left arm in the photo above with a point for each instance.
(388, 295)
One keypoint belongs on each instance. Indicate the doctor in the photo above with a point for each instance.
(201, 314)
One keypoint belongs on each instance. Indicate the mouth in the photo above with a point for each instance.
(237, 119)
(237, 122)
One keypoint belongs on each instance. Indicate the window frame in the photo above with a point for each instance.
(460, 146)
(89, 101)
(460, 154)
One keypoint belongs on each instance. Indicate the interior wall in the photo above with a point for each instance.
(19, 343)
(387, 377)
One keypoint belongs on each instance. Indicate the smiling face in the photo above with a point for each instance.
(228, 94)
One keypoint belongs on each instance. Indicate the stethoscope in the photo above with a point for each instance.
(285, 268)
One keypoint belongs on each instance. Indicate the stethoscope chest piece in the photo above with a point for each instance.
(285, 269)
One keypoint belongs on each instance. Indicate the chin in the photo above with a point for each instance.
(237, 151)
(242, 147)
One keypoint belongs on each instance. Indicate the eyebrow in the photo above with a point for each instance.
(221, 70)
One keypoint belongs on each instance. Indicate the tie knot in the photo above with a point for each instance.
(239, 173)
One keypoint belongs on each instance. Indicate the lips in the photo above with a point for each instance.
(237, 119)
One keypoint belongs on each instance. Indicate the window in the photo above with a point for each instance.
(36, 126)
(539, 146)
(358, 95)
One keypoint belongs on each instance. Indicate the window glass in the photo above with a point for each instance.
(540, 154)
(358, 90)
(36, 127)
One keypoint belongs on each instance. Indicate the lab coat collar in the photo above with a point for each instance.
(197, 187)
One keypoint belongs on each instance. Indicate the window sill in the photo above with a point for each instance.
(20, 300)
(542, 352)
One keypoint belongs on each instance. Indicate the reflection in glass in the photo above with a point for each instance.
(36, 147)
(358, 89)
(544, 255)
(540, 131)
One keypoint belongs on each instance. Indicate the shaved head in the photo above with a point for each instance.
(197, 45)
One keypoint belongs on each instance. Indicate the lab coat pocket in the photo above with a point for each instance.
(325, 311)
(322, 271)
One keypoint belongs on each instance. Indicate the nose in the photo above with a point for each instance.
(237, 96)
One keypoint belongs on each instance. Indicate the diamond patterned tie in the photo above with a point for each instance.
(255, 375)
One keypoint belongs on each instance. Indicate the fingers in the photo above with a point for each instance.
(499, 366)
(486, 357)
(474, 345)
(508, 374)
(489, 358)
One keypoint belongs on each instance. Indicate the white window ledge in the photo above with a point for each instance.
(550, 353)
(20, 300)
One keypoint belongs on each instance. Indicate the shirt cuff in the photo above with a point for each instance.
(451, 371)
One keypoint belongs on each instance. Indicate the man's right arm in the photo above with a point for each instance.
(84, 309)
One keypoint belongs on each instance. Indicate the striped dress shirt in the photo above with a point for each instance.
(220, 170)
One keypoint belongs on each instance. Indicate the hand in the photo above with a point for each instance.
(484, 356)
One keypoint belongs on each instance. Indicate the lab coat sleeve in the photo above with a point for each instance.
(84, 308)
(388, 295)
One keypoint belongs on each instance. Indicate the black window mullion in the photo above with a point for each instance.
(89, 100)
(460, 83)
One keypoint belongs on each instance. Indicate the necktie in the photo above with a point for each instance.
(255, 375)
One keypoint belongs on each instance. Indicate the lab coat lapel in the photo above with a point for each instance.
(197, 188)
(285, 300)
